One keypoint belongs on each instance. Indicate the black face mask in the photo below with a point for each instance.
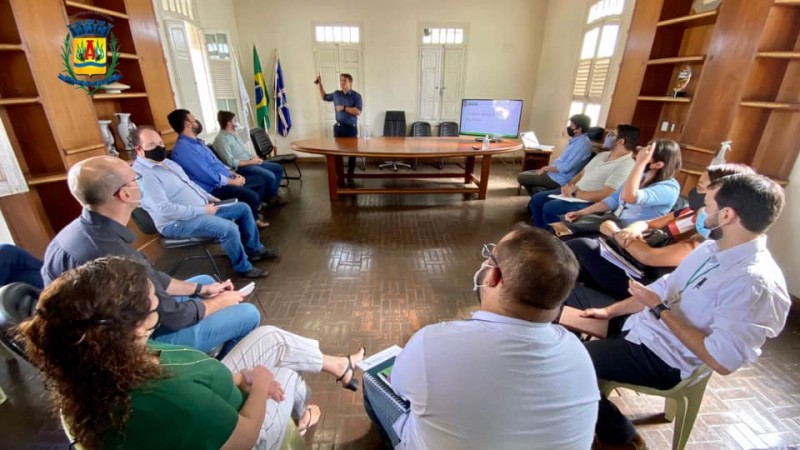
(198, 128)
(571, 132)
(696, 200)
(156, 154)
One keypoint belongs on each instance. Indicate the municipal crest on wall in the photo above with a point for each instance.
(90, 51)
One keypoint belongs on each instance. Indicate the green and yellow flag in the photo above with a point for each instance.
(262, 94)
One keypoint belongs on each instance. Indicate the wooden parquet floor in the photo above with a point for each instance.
(370, 271)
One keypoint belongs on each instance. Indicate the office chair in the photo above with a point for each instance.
(394, 125)
(420, 129)
(264, 149)
(447, 129)
(145, 223)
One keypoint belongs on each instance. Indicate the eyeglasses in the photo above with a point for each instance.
(488, 253)
(136, 177)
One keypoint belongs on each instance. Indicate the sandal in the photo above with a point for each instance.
(353, 383)
(311, 422)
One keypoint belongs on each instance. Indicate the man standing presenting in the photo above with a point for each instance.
(348, 107)
(717, 308)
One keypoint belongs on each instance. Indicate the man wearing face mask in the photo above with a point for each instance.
(604, 174)
(182, 209)
(205, 169)
(717, 308)
(506, 378)
(567, 165)
(199, 312)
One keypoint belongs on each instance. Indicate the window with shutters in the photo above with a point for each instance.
(223, 77)
(600, 41)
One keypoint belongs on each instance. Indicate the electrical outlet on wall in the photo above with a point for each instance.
(664, 126)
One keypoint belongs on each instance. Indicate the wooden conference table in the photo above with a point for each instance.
(396, 148)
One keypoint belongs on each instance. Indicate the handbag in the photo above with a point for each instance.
(589, 224)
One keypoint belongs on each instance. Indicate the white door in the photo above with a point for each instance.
(441, 82)
(430, 76)
(332, 60)
(188, 94)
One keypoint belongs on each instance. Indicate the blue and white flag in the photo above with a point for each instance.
(282, 105)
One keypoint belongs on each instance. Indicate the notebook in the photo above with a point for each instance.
(617, 259)
(377, 384)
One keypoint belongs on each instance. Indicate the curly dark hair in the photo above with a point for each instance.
(83, 338)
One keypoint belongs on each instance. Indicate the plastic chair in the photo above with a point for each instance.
(145, 223)
(264, 149)
(394, 125)
(681, 403)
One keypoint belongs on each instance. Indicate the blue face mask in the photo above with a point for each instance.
(609, 142)
(700, 224)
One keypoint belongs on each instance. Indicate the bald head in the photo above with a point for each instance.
(94, 181)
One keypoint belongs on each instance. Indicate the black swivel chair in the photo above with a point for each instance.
(145, 223)
(394, 125)
(446, 129)
(17, 304)
(264, 149)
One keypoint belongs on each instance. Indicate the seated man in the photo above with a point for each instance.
(233, 151)
(181, 209)
(508, 378)
(600, 178)
(17, 265)
(203, 167)
(717, 308)
(567, 165)
(198, 313)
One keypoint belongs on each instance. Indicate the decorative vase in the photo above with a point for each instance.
(108, 137)
(124, 128)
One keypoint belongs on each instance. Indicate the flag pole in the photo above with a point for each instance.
(275, 97)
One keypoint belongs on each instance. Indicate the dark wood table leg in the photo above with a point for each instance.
(469, 167)
(340, 171)
(333, 183)
(486, 166)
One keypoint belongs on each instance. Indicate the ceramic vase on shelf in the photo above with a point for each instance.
(108, 137)
(124, 128)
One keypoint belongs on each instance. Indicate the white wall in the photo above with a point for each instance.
(783, 241)
(504, 44)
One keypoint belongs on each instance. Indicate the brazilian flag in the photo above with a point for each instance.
(262, 95)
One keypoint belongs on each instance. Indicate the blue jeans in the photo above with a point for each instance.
(252, 193)
(226, 326)
(546, 210)
(222, 227)
(270, 171)
(18, 265)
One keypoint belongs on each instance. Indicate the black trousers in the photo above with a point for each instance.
(616, 359)
(345, 130)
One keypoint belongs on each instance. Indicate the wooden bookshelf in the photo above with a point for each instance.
(779, 55)
(677, 60)
(772, 105)
(10, 47)
(690, 20)
(664, 99)
(787, 2)
(96, 9)
(695, 148)
(128, 56)
(18, 101)
(121, 96)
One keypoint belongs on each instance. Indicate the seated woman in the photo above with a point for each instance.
(601, 275)
(650, 190)
(117, 390)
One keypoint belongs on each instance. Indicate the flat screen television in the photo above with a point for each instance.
(497, 118)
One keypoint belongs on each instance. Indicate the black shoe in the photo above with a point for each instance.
(265, 253)
(255, 272)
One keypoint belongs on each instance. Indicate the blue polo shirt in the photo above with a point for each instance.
(350, 100)
(200, 163)
(572, 159)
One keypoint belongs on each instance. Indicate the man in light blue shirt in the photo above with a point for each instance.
(567, 165)
(508, 378)
(182, 209)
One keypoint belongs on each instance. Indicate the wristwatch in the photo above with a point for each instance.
(197, 289)
(658, 309)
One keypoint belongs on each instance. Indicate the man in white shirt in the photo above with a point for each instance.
(600, 178)
(717, 308)
(507, 378)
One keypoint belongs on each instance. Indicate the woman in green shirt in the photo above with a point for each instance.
(117, 390)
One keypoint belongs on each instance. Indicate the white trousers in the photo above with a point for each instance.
(284, 354)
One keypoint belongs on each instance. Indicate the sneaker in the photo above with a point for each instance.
(265, 253)
(255, 272)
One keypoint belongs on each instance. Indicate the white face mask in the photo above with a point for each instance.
(475, 286)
